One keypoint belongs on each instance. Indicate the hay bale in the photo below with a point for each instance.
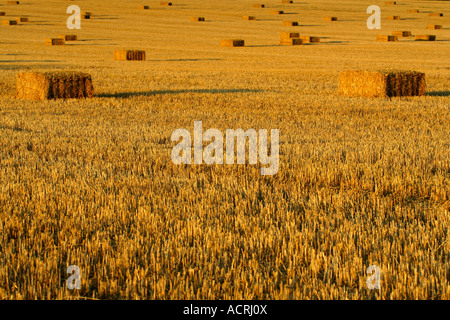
(258, 5)
(386, 38)
(390, 3)
(287, 1)
(85, 16)
(383, 83)
(309, 39)
(232, 43)
(435, 14)
(425, 38)
(144, 7)
(196, 19)
(290, 23)
(289, 35)
(55, 42)
(394, 17)
(21, 19)
(413, 10)
(291, 41)
(401, 33)
(2, 13)
(54, 85)
(249, 17)
(12, 2)
(129, 55)
(165, 3)
(330, 18)
(68, 37)
(277, 12)
(9, 22)
(434, 26)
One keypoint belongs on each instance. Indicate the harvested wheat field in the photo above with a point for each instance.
(88, 180)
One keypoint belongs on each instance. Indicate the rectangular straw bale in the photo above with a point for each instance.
(232, 43)
(287, 1)
(290, 23)
(330, 18)
(390, 83)
(68, 37)
(144, 7)
(386, 38)
(289, 35)
(249, 17)
(413, 11)
(401, 33)
(131, 55)
(54, 42)
(9, 22)
(85, 16)
(22, 19)
(435, 14)
(309, 39)
(12, 2)
(258, 5)
(394, 17)
(197, 19)
(390, 3)
(2, 13)
(291, 41)
(277, 12)
(425, 38)
(434, 26)
(54, 85)
(165, 3)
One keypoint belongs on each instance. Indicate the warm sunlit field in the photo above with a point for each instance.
(91, 182)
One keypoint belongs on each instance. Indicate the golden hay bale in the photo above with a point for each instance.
(85, 16)
(287, 1)
(12, 2)
(434, 26)
(330, 18)
(386, 38)
(289, 35)
(390, 3)
(144, 7)
(54, 85)
(258, 5)
(9, 22)
(435, 14)
(291, 41)
(277, 12)
(290, 23)
(68, 37)
(197, 19)
(425, 38)
(21, 19)
(308, 39)
(249, 17)
(401, 33)
(130, 55)
(55, 42)
(165, 3)
(2, 13)
(394, 17)
(232, 43)
(383, 83)
(413, 11)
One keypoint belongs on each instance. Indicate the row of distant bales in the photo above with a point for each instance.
(286, 38)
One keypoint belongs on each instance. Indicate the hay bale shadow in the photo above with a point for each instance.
(438, 93)
(158, 92)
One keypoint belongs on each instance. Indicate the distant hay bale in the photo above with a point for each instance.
(2, 13)
(258, 5)
(12, 2)
(129, 55)
(165, 3)
(290, 23)
(389, 83)
(249, 17)
(232, 43)
(291, 41)
(85, 16)
(434, 26)
(21, 19)
(9, 22)
(277, 12)
(435, 14)
(330, 18)
(394, 17)
(287, 1)
(68, 37)
(425, 38)
(384, 38)
(197, 19)
(413, 11)
(401, 33)
(55, 42)
(390, 3)
(54, 85)
(289, 35)
(309, 39)
(144, 7)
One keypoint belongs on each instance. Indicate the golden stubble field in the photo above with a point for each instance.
(91, 183)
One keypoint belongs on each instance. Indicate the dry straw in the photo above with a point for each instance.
(232, 43)
(401, 33)
(258, 5)
(129, 55)
(330, 18)
(54, 42)
(383, 83)
(68, 37)
(54, 85)
(249, 17)
(386, 38)
(291, 41)
(9, 22)
(21, 19)
(434, 26)
(435, 14)
(290, 23)
(425, 38)
(309, 39)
